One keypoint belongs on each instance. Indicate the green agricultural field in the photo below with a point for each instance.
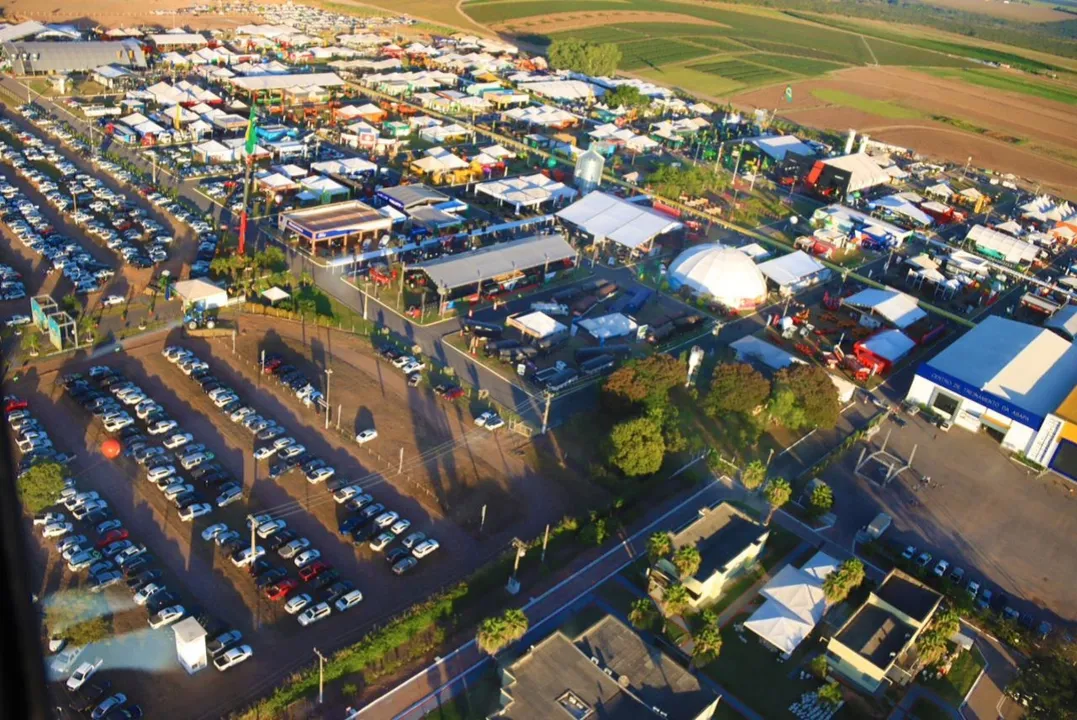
(603, 34)
(740, 71)
(786, 49)
(1007, 82)
(651, 54)
(858, 102)
(892, 53)
(790, 63)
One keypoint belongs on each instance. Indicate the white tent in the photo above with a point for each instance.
(800, 593)
(608, 217)
(897, 308)
(1005, 247)
(795, 603)
(526, 191)
(778, 626)
(347, 167)
(793, 270)
(863, 171)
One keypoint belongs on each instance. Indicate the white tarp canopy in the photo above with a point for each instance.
(776, 146)
(863, 171)
(439, 160)
(608, 217)
(791, 269)
(561, 89)
(750, 347)
(526, 191)
(609, 326)
(443, 133)
(795, 603)
(201, 292)
(1009, 249)
(348, 167)
(778, 626)
(538, 325)
(900, 205)
(890, 345)
(275, 294)
(543, 115)
(899, 309)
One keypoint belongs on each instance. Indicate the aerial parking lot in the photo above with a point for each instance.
(337, 528)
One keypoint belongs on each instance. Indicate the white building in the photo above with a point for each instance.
(1005, 377)
(190, 644)
(726, 274)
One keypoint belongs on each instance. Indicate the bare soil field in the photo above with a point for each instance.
(117, 13)
(1034, 12)
(1039, 129)
(562, 21)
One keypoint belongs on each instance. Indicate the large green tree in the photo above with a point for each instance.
(707, 643)
(40, 486)
(645, 380)
(78, 617)
(687, 561)
(659, 544)
(753, 475)
(814, 399)
(822, 498)
(1049, 681)
(777, 492)
(642, 613)
(585, 57)
(626, 96)
(848, 576)
(735, 387)
(497, 632)
(637, 447)
(675, 599)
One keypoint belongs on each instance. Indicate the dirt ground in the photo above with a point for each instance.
(559, 22)
(1043, 123)
(1034, 12)
(117, 13)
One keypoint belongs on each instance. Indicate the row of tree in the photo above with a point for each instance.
(596, 59)
(640, 391)
(691, 180)
(801, 397)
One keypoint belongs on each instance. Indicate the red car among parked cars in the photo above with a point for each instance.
(312, 571)
(12, 403)
(281, 589)
(112, 536)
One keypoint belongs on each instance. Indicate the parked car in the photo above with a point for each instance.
(314, 614)
(233, 657)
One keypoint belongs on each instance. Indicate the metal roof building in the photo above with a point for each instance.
(455, 271)
(255, 83)
(28, 58)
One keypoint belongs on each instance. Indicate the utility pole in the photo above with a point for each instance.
(340, 411)
(400, 470)
(482, 518)
(321, 676)
(254, 526)
(328, 377)
(263, 364)
(546, 412)
(545, 542)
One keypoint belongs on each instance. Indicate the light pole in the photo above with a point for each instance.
(321, 675)
(254, 526)
(328, 376)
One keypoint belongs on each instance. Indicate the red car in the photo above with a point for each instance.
(312, 571)
(454, 393)
(281, 589)
(12, 403)
(272, 365)
(112, 536)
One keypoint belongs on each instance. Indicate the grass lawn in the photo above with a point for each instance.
(882, 108)
(924, 709)
(1010, 82)
(963, 673)
(752, 672)
(736, 589)
(618, 596)
(477, 703)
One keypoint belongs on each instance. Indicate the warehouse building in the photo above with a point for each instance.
(48, 58)
(1006, 378)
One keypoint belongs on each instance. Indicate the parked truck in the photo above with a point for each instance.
(878, 526)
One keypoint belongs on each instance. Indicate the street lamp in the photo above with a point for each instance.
(328, 376)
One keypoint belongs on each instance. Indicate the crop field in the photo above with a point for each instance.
(740, 71)
(648, 53)
(786, 49)
(1008, 82)
(790, 63)
(882, 108)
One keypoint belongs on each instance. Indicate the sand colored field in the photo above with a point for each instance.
(117, 13)
(560, 22)
(1035, 12)
(1043, 127)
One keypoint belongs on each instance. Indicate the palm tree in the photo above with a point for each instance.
(31, 343)
(516, 624)
(496, 632)
(707, 643)
(778, 492)
(659, 545)
(687, 561)
(642, 613)
(931, 646)
(675, 599)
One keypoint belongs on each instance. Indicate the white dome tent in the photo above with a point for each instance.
(725, 273)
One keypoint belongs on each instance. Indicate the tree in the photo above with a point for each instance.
(831, 694)
(659, 545)
(497, 632)
(642, 613)
(753, 475)
(649, 379)
(777, 491)
(78, 618)
(947, 621)
(735, 387)
(707, 643)
(785, 410)
(637, 447)
(31, 343)
(40, 486)
(675, 599)
(848, 576)
(687, 560)
(1049, 680)
(584, 57)
(822, 498)
(626, 96)
(931, 646)
(70, 304)
(813, 393)
(819, 666)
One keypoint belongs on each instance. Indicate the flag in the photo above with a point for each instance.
(252, 136)
(176, 120)
(789, 93)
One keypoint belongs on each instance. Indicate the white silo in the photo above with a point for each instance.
(849, 141)
(589, 168)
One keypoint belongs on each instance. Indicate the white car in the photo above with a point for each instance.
(350, 600)
(233, 657)
(167, 616)
(413, 367)
(381, 541)
(246, 557)
(229, 496)
(213, 531)
(264, 452)
(294, 548)
(402, 361)
(178, 440)
(196, 510)
(48, 518)
(321, 475)
(81, 499)
(176, 489)
(143, 596)
(258, 520)
(240, 414)
(425, 548)
(83, 673)
(112, 300)
(297, 603)
(160, 473)
(366, 436)
(57, 529)
(494, 422)
(413, 539)
(399, 526)
(386, 519)
(65, 659)
(271, 527)
(291, 451)
(306, 558)
(190, 462)
(345, 494)
(314, 614)
(118, 424)
(161, 427)
(17, 320)
(941, 568)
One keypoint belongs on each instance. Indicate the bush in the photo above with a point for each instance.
(637, 447)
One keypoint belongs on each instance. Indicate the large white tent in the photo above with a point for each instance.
(897, 308)
(863, 171)
(1003, 246)
(725, 273)
(794, 271)
(526, 191)
(608, 217)
(795, 603)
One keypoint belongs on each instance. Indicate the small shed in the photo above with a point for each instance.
(190, 645)
(275, 295)
(201, 293)
(537, 325)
